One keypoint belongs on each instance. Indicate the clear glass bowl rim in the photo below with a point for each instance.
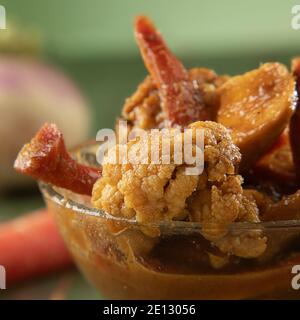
(49, 192)
(55, 196)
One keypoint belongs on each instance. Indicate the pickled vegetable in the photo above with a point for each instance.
(256, 107)
(46, 158)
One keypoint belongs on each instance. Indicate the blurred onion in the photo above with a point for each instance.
(32, 93)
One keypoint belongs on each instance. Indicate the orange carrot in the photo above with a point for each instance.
(46, 158)
(31, 246)
(180, 101)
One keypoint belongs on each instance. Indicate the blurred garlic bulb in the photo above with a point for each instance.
(32, 93)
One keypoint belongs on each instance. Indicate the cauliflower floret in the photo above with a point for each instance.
(218, 207)
(164, 192)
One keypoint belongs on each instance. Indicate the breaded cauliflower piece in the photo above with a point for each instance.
(216, 207)
(164, 192)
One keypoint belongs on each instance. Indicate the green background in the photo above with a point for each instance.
(93, 42)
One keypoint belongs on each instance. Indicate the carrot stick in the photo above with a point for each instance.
(31, 246)
(46, 158)
(180, 101)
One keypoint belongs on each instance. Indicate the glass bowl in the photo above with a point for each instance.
(173, 261)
